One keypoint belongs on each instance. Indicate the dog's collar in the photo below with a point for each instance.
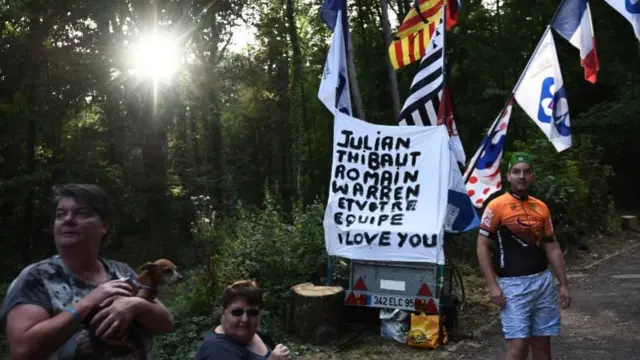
(135, 282)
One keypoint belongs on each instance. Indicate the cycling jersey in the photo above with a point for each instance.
(518, 226)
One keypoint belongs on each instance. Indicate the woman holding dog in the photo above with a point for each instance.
(61, 307)
(237, 337)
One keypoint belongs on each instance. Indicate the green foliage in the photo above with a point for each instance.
(575, 186)
(233, 120)
(258, 244)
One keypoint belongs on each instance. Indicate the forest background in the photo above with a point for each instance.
(223, 166)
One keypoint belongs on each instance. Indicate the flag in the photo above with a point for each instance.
(461, 216)
(450, 123)
(541, 94)
(422, 12)
(330, 12)
(334, 87)
(428, 11)
(423, 101)
(414, 34)
(573, 22)
(630, 9)
(416, 30)
(483, 173)
(453, 11)
(424, 105)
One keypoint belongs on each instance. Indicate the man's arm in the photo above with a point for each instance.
(483, 250)
(489, 225)
(553, 251)
(556, 259)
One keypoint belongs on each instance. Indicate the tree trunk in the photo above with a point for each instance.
(353, 84)
(393, 79)
(154, 158)
(403, 8)
(316, 313)
(38, 33)
(298, 114)
(284, 140)
(193, 137)
(27, 225)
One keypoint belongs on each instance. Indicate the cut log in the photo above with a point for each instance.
(628, 222)
(316, 313)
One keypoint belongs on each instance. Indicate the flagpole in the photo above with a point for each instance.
(530, 60)
(556, 13)
(444, 64)
(511, 95)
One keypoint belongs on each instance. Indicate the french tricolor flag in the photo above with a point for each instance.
(573, 22)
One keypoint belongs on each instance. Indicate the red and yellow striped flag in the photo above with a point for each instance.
(416, 30)
(414, 21)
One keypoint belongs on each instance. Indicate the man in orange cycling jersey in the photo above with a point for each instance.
(515, 245)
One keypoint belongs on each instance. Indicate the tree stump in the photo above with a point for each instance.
(627, 222)
(315, 313)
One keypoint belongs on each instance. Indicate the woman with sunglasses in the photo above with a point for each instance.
(237, 337)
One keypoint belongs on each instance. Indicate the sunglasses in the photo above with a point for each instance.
(237, 312)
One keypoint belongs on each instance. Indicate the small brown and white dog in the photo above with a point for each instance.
(145, 285)
(152, 276)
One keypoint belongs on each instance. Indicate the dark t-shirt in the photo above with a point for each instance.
(222, 347)
(50, 285)
(519, 228)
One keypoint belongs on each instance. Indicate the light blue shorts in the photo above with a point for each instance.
(531, 307)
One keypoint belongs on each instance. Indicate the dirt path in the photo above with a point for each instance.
(603, 323)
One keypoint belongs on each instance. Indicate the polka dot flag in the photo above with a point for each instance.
(485, 178)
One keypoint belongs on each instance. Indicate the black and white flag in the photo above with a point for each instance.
(423, 102)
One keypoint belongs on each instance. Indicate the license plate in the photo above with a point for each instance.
(391, 301)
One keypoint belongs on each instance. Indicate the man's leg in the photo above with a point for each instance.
(546, 318)
(541, 347)
(516, 316)
(517, 349)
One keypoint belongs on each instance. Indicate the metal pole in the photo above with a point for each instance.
(508, 101)
(444, 64)
(530, 60)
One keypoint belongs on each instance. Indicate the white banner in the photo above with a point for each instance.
(388, 192)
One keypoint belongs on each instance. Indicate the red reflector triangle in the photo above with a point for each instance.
(360, 286)
(351, 299)
(424, 291)
(362, 300)
(431, 307)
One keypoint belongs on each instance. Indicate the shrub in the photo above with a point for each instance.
(574, 186)
(254, 244)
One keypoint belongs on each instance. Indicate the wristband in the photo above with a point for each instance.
(73, 312)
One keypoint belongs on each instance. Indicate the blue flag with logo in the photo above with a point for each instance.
(334, 89)
(461, 214)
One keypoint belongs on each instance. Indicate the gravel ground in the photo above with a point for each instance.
(603, 322)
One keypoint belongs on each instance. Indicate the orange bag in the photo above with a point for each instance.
(427, 331)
